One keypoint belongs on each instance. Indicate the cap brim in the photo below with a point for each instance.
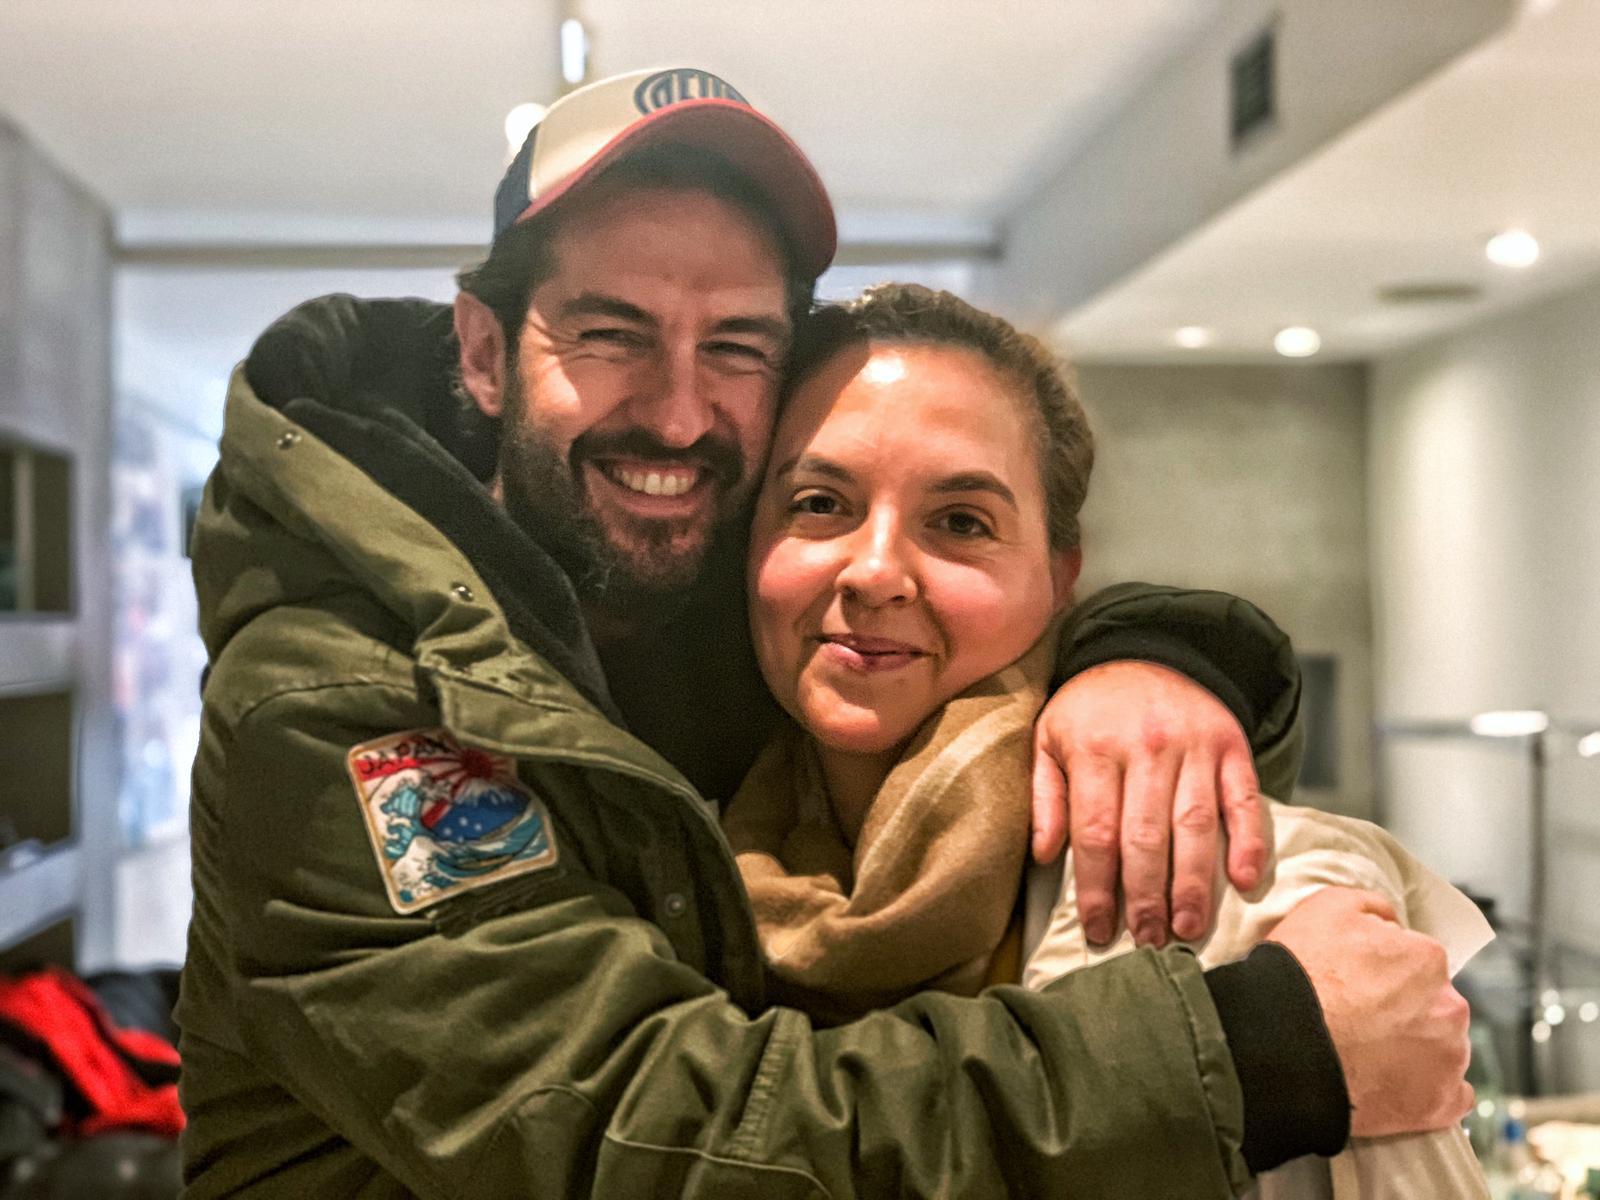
(750, 143)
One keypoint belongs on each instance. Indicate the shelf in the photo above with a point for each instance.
(39, 894)
(37, 653)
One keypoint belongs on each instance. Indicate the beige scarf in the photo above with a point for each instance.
(928, 892)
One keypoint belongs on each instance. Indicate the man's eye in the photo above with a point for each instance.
(739, 352)
(966, 525)
(618, 338)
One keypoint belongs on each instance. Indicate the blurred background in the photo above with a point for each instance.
(1330, 271)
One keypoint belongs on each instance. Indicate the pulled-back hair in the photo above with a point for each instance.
(908, 312)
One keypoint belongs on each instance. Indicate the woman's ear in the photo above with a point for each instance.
(1064, 568)
(483, 354)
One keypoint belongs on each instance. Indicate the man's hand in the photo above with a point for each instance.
(1136, 757)
(1399, 1026)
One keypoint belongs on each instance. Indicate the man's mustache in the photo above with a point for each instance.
(717, 455)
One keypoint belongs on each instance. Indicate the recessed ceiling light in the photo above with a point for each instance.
(520, 122)
(1589, 745)
(1510, 723)
(574, 51)
(1192, 337)
(1297, 341)
(1512, 248)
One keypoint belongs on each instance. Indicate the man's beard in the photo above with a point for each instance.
(649, 574)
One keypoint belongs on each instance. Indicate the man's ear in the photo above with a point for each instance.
(1064, 568)
(483, 353)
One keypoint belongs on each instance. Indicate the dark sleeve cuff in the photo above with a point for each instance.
(1295, 1101)
(1165, 649)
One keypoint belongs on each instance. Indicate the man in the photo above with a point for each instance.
(459, 932)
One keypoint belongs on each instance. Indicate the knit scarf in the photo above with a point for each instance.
(927, 893)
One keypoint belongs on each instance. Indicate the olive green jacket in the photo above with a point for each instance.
(595, 1026)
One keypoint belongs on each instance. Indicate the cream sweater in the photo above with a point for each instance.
(1313, 849)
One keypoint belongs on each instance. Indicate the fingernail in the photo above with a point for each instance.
(1098, 931)
(1187, 925)
(1150, 933)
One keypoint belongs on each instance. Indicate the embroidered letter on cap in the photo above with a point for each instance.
(445, 818)
(683, 83)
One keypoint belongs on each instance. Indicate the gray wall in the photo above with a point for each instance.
(1249, 479)
(55, 301)
(1486, 559)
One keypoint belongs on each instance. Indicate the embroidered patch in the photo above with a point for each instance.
(446, 818)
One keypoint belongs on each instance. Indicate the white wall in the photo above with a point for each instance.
(1248, 479)
(1485, 499)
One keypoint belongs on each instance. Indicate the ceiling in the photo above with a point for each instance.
(1505, 136)
(340, 121)
(382, 119)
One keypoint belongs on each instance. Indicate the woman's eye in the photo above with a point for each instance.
(814, 504)
(966, 525)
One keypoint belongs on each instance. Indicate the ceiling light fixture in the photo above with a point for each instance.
(1297, 341)
(520, 122)
(574, 51)
(1515, 248)
(1511, 723)
(1589, 744)
(1193, 337)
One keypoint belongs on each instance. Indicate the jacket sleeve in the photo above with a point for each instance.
(543, 1039)
(1222, 642)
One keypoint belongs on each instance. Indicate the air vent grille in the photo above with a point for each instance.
(1253, 87)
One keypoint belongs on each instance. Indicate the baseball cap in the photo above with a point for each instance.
(589, 129)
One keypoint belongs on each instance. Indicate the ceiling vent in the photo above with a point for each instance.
(1430, 291)
(1253, 87)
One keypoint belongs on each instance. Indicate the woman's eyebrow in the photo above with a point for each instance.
(976, 481)
(816, 465)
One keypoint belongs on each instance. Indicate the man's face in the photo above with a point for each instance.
(642, 398)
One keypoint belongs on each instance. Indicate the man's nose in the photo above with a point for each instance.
(881, 565)
(672, 401)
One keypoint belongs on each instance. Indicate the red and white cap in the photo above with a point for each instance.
(589, 129)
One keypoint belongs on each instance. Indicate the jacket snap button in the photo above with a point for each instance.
(462, 591)
(287, 439)
(674, 905)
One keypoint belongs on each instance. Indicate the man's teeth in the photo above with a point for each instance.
(655, 483)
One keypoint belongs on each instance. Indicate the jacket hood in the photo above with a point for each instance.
(348, 464)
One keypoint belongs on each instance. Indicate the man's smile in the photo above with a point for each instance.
(651, 490)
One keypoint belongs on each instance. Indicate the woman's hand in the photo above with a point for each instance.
(1139, 761)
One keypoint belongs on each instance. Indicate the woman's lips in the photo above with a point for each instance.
(857, 653)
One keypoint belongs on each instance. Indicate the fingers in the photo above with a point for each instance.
(1147, 844)
(1094, 809)
(1245, 815)
(1195, 828)
(1049, 806)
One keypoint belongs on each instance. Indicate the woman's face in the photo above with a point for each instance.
(900, 550)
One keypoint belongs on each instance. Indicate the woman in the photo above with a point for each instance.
(914, 544)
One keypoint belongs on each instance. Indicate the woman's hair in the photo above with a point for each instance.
(908, 312)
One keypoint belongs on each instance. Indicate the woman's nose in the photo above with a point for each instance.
(880, 567)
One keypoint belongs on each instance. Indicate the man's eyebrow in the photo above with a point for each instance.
(977, 481)
(816, 465)
(597, 304)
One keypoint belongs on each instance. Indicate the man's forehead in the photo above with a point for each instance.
(649, 248)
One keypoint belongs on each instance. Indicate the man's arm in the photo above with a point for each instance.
(540, 1036)
(1146, 752)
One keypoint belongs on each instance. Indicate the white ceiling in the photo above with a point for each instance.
(381, 119)
(1508, 135)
